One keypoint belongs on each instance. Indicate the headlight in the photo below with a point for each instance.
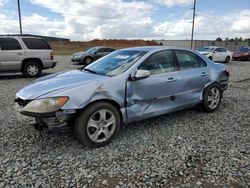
(245, 54)
(45, 105)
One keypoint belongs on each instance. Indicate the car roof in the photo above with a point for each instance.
(213, 47)
(154, 48)
(102, 47)
(13, 36)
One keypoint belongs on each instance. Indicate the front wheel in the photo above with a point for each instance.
(97, 125)
(212, 98)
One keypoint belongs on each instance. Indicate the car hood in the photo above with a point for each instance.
(56, 82)
(203, 52)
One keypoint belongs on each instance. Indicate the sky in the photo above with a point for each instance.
(127, 19)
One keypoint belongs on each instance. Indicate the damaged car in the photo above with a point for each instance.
(125, 86)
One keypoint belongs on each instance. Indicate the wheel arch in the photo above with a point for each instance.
(27, 60)
(208, 85)
(110, 101)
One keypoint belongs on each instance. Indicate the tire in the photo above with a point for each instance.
(97, 125)
(87, 60)
(212, 96)
(32, 69)
(227, 59)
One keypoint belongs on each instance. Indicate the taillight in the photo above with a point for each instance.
(227, 72)
(51, 55)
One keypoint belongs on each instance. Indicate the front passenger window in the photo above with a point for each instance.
(160, 62)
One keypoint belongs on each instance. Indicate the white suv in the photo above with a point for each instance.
(28, 55)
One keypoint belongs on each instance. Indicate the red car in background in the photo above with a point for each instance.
(242, 54)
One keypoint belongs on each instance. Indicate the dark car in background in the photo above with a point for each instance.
(91, 54)
(242, 54)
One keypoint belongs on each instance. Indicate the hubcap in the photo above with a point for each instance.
(32, 70)
(88, 61)
(101, 125)
(213, 98)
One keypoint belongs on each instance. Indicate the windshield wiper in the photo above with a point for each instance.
(90, 71)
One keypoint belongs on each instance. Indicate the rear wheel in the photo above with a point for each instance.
(97, 125)
(212, 98)
(227, 59)
(32, 69)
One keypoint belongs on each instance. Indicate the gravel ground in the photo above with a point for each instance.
(189, 148)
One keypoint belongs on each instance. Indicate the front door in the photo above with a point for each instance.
(154, 95)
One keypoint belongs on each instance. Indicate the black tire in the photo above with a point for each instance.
(210, 57)
(87, 60)
(227, 59)
(32, 69)
(83, 130)
(208, 95)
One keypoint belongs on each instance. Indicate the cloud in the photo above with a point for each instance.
(234, 24)
(88, 19)
(98, 19)
(172, 3)
(3, 2)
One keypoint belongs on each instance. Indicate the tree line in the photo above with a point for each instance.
(236, 39)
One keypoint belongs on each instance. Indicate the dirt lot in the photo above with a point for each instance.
(189, 148)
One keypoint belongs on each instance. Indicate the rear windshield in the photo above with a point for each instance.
(34, 44)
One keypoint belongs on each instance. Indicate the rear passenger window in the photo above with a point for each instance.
(35, 44)
(9, 44)
(188, 60)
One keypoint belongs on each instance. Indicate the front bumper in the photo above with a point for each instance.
(53, 120)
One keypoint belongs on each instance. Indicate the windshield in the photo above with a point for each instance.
(205, 49)
(244, 49)
(91, 50)
(115, 63)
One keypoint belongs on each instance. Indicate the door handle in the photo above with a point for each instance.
(171, 79)
(19, 53)
(204, 74)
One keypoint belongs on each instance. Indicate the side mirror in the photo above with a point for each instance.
(140, 74)
(215, 52)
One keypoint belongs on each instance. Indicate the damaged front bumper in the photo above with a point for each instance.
(57, 120)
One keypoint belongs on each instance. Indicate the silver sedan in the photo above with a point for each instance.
(125, 86)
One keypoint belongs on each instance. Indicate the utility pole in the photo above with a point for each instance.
(192, 35)
(20, 19)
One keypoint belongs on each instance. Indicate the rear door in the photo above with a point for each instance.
(11, 54)
(192, 76)
(37, 48)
